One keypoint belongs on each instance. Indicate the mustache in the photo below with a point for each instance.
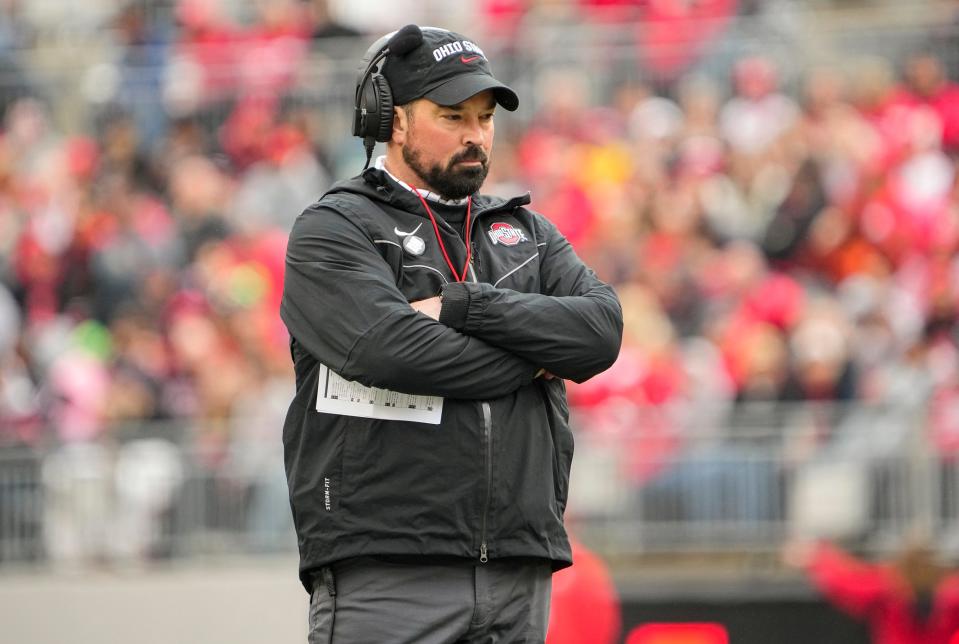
(472, 153)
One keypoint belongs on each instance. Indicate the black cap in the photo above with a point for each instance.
(444, 67)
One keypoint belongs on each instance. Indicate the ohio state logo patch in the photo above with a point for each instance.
(504, 233)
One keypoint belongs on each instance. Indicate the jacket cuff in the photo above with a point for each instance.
(456, 305)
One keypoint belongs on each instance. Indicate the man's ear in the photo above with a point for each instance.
(401, 126)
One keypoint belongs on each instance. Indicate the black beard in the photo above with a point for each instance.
(450, 182)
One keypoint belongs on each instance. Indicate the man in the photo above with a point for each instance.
(436, 517)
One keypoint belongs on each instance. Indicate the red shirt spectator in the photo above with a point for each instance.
(673, 33)
(909, 601)
(929, 86)
(207, 46)
(273, 51)
(584, 606)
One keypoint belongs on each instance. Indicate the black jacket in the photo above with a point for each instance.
(491, 480)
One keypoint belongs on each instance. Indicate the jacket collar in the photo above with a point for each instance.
(426, 194)
(376, 185)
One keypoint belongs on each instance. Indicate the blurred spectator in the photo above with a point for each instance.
(78, 505)
(78, 380)
(20, 419)
(838, 139)
(796, 213)
(945, 37)
(324, 25)
(672, 34)
(275, 187)
(137, 238)
(16, 34)
(910, 211)
(140, 369)
(928, 85)
(148, 473)
(699, 100)
(274, 48)
(141, 65)
(758, 115)
(584, 606)
(502, 18)
(256, 457)
(820, 349)
(910, 599)
(202, 72)
(198, 194)
(122, 150)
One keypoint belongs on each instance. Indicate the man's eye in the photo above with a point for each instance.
(452, 117)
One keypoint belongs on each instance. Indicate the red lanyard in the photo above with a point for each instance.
(436, 229)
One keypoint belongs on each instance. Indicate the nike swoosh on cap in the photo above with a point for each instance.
(468, 60)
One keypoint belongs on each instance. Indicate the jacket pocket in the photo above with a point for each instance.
(322, 612)
(410, 482)
(313, 451)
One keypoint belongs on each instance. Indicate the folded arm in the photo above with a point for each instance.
(573, 328)
(341, 303)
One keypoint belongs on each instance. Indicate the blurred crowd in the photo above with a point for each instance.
(142, 261)
(769, 244)
(772, 242)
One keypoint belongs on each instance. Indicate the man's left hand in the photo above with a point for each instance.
(430, 306)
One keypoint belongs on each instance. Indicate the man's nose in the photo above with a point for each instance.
(474, 133)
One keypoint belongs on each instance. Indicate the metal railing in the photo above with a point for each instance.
(140, 500)
(644, 482)
(666, 482)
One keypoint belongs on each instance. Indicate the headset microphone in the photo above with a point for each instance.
(405, 40)
(373, 100)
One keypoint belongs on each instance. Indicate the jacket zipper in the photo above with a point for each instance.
(487, 433)
(474, 257)
(488, 439)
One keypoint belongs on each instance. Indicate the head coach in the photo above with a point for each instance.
(407, 279)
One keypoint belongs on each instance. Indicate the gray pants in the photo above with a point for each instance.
(369, 601)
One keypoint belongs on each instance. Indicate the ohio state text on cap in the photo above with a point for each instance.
(447, 68)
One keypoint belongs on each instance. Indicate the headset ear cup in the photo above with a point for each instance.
(366, 102)
(382, 120)
(377, 103)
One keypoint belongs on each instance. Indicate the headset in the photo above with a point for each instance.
(373, 98)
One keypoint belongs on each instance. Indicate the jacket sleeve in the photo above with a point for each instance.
(341, 303)
(573, 328)
(851, 584)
